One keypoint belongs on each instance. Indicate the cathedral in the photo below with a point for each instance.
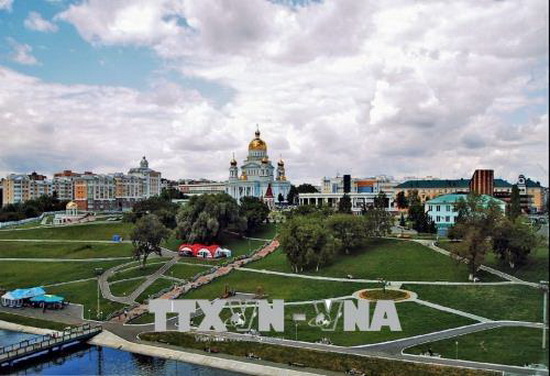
(257, 177)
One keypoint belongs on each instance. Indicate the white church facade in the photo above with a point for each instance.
(258, 177)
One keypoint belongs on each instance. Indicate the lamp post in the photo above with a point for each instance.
(296, 327)
(456, 349)
(544, 287)
(98, 297)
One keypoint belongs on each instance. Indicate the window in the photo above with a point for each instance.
(447, 219)
(430, 208)
(448, 208)
(438, 208)
(438, 219)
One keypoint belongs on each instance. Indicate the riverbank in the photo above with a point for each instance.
(108, 339)
(6, 325)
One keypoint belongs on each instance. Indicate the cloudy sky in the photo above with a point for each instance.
(363, 87)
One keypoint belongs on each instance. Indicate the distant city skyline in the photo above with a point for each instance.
(366, 88)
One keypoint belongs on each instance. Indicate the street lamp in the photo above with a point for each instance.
(544, 287)
(296, 327)
(456, 350)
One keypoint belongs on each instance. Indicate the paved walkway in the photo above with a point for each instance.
(202, 280)
(359, 280)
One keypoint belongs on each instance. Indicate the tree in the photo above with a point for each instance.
(514, 209)
(377, 222)
(254, 211)
(292, 196)
(307, 244)
(348, 230)
(280, 198)
(401, 200)
(306, 188)
(161, 206)
(475, 225)
(421, 221)
(513, 241)
(204, 218)
(344, 205)
(147, 236)
(172, 193)
(402, 222)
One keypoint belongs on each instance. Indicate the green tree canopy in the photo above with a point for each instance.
(476, 223)
(292, 196)
(161, 206)
(344, 205)
(348, 230)
(307, 244)
(513, 241)
(514, 209)
(147, 236)
(401, 200)
(254, 211)
(204, 218)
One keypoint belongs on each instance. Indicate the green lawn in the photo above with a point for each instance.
(383, 258)
(535, 270)
(24, 274)
(183, 271)
(29, 321)
(276, 287)
(90, 231)
(85, 293)
(125, 288)
(513, 346)
(64, 250)
(310, 358)
(415, 319)
(507, 302)
(155, 287)
(136, 271)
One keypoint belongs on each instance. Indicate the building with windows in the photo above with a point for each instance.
(200, 187)
(257, 174)
(18, 188)
(362, 192)
(442, 209)
(152, 178)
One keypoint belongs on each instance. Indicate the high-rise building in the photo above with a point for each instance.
(483, 182)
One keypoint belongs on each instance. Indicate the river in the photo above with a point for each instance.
(95, 360)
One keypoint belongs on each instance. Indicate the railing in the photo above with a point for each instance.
(27, 347)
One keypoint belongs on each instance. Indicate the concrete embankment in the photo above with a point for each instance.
(108, 339)
(5, 325)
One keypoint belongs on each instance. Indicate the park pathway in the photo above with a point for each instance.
(182, 289)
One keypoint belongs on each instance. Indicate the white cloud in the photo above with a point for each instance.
(6, 5)
(21, 53)
(34, 21)
(402, 88)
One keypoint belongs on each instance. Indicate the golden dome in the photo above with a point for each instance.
(265, 160)
(71, 205)
(257, 143)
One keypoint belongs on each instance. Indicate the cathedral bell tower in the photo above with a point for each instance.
(233, 169)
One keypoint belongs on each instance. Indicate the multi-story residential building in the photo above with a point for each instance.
(152, 179)
(18, 188)
(128, 190)
(95, 192)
